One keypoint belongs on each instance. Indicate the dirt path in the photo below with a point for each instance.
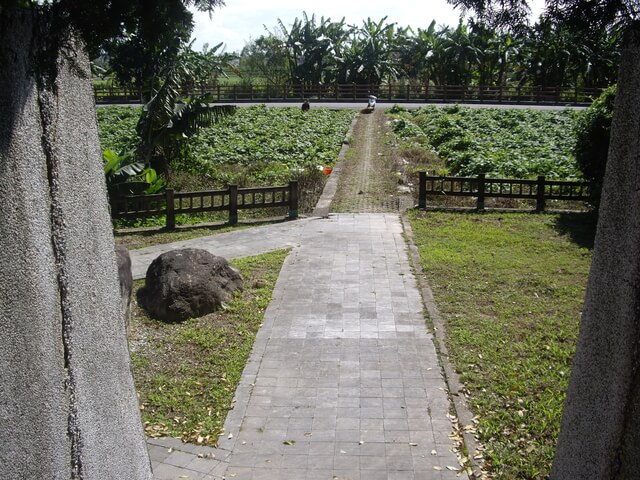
(368, 182)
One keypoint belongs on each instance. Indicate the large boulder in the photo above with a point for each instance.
(187, 283)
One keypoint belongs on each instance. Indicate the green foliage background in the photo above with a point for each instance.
(592, 136)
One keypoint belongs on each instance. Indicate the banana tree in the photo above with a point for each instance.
(124, 175)
(371, 56)
(207, 66)
(168, 119)
(265, 57)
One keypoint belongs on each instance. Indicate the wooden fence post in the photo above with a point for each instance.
(540, 202)
(233, 204)
(171, 216)
(480, 203)
(422, 190)
(293, 200)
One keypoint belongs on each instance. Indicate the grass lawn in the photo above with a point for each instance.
(186, 373)
(510, 288)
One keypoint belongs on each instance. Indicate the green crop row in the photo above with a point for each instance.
(515, 143)
(256, 145)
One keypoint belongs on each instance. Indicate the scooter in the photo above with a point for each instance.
(371, 104)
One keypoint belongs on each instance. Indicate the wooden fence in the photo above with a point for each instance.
(232, 199)
(539, 190)
(392, 92)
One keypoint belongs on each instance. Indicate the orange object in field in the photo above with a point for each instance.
(327, 170)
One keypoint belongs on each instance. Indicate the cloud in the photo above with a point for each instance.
(242, 20)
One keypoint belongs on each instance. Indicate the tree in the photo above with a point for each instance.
(140, 53)
(69, 408)
(168, 119)
(313, 48)
(369, 60)
(203, 69)
(599, 433)
(593, 132)
(265, 57)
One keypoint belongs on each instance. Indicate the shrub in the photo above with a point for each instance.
(592, 137)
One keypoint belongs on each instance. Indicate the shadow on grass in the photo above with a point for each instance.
(580, 227)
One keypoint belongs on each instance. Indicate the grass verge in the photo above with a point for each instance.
(510, 288)
(186, 374)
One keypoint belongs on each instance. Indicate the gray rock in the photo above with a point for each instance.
(187, 283)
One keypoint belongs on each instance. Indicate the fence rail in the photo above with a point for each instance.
(392, 92)
(232, 199)
(481, 187)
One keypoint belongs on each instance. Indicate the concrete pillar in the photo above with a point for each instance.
(68, 407)
(600, 432)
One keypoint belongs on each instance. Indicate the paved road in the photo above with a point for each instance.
(234, 244)
(385, 105)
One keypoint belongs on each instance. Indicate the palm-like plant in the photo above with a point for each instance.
(167, 119)
(371, 56)
(205, 67)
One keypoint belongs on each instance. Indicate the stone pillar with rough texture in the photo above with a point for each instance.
(68, 407)
(600, 432)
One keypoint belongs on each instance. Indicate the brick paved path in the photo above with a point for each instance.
(343, 381)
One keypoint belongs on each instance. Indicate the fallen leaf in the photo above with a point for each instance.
(436, 467)
(289, 442)
(412, 444)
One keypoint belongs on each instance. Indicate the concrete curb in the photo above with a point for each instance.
(456, 388)
(331, 187)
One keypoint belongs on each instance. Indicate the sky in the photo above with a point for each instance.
(242, 20)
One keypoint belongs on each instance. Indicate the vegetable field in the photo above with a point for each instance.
(513, 143)
(255, 146)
